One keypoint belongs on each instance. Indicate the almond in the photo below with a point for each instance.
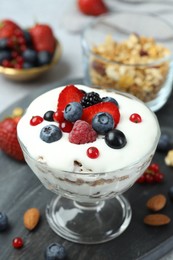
(31, 218)
(156, 202)
(156, 219)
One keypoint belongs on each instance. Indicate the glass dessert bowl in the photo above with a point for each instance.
(130, 52)
(89, 207)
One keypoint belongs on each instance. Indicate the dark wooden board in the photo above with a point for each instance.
(20, 189)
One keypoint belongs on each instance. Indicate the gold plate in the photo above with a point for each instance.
(28, 74)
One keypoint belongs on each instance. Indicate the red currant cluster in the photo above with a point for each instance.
(152, 175)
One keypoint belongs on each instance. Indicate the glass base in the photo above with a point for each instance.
(88, 223)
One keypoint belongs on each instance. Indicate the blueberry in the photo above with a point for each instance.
(102, 122)
(73, 111)
(27, 37)
(50, 133)
(170, 193)
(30, 55)
(5, 55)
(3, 221)
(28, 65)
(55, 251)
(49, 115)
(164, 143)
(110, 99)
(115, 139)
(44, 57)
(3, 44)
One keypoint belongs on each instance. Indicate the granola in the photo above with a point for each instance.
(130, 66)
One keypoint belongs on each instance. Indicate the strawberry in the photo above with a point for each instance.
(69, 94)
(8, 138)
(108, 107)
(8, 28)
(43, 38)
(92, 7)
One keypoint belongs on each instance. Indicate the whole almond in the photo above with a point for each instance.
(156, 202)
(31, 218)
(156, 219)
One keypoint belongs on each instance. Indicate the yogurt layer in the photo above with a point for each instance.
(63, 155)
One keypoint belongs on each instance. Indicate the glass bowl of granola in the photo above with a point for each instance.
(132, 53)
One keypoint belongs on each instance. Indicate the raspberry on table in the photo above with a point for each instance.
(82, 133)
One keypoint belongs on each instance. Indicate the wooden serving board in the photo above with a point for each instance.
(20, 189)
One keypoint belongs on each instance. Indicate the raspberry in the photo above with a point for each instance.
(82, 133)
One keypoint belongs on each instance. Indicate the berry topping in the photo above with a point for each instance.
(50, 133)
(135, 118)
(106, 107)
(36, 120)
(73, 111)
(17, 242)
(3, 221)
(82, 133)
(49, 116)
(69, 94)
(90, 99)
(110, 99)
(102, 123)
(58, 116)
(55, 251)
(115, 139)
(66, 126)
(93, 152)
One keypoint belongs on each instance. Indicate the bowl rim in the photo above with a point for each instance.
(87, 50)
(34, 70)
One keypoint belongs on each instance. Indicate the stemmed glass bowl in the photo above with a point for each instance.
(89, 207)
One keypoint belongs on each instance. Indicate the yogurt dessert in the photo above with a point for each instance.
(88, 143)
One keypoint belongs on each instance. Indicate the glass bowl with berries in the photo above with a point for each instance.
(88, 146)
(130, 52)
(27, 53)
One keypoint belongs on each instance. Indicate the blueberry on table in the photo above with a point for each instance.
(170, 193)
(115, 139)
(55, 251)
(102, 122)
(30, 55)
(3, 221)
(44, 58)
(164, 143)
(73, 111)
(50, 133)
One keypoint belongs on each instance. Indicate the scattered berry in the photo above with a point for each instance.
(35, 120)
(44, 58)
(93, 152)
(3, 221)
(50, 133)
(17, 242)
(9, 143)
(115, 139)
(90, 7)
(66, 126)
(135, 118)
(110, 99)
(73, 111)
(102, 123)
(82, 133)
(106, 107)
(165, 142)
(170, 193)
(151, 175)
(30, 56)
(90, 99)
(4, 55)
(55, 251)
(69, 94)
(49, 116)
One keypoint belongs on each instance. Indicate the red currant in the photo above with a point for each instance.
(17, 242)
(159, 177)
(149, 178)
(135, 118)
(58, 116)
(141, 179)
(35, 120)
(93, 152)
(154, 167)
(66, 126)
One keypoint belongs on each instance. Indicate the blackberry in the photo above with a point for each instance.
(90, 99)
